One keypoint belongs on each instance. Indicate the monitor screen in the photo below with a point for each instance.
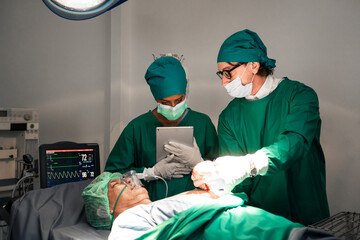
(68, 162)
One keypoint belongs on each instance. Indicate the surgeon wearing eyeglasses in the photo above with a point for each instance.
(136, 146)
(269, 136)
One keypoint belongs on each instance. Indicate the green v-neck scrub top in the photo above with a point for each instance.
(286, 126)
(136, 149)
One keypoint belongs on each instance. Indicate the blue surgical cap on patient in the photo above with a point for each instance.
(166, 77)
(245, 46)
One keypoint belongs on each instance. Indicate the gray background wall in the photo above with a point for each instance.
(87, 77)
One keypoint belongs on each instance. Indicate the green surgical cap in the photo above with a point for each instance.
(96, 201)
(166, 77)
(244, 46)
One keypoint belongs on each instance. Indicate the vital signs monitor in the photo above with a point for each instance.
(65, 162)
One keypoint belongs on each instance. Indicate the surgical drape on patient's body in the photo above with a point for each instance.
(135, 221)
(286, 126)
(223, 219)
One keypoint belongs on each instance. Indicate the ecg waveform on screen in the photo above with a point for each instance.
(63, 174)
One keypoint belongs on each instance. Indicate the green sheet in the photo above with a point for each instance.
(223, 220)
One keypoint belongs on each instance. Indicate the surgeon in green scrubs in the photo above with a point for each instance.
(136, 146)
(269, 136)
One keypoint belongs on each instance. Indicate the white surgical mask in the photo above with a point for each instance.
(172, 113)
(236, 89)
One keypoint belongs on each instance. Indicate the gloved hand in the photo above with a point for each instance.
(166, 168)
(189, 156)
(222, 175)
(219, 177)
(203, 173)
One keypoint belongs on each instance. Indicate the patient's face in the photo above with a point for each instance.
(129, 198)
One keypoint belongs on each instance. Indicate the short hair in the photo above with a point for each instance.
(264, 71)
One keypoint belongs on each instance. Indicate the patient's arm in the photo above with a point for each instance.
(201, 192)
(135, 221)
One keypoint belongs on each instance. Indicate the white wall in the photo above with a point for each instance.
(87, 77)
(58, 66)
(315, 42)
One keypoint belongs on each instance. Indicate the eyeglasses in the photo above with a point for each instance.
(227, 73)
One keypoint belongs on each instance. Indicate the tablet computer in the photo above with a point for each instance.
(164, 135)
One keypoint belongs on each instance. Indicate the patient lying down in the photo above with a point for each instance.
(115, 203)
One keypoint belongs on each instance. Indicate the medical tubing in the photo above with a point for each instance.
(141, 176)
(19, 182)
(166, 185)
(117, 199)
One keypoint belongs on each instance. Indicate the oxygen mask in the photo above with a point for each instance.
(130, 179)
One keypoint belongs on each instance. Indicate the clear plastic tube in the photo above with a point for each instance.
(141, 176)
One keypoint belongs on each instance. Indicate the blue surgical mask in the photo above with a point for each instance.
(236, 89)
(172, 113)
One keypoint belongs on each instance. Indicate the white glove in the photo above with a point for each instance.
(189, 156)
(166, 168)
(222, 175)
(203, 173)
(216, 178)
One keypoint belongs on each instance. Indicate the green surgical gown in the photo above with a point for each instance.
(136, 149)
(286, 126)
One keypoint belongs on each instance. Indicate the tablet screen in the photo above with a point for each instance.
(164, 135)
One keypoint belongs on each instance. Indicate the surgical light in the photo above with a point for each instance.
(80, 5)
(81, 9)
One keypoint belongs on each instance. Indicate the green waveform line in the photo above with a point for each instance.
(60, 175)
(65, 166)
(60, 158)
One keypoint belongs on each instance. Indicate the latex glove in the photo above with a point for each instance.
(210, 177)
(222, 175)
(166, 168)
(189, 156)
(202, 173)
